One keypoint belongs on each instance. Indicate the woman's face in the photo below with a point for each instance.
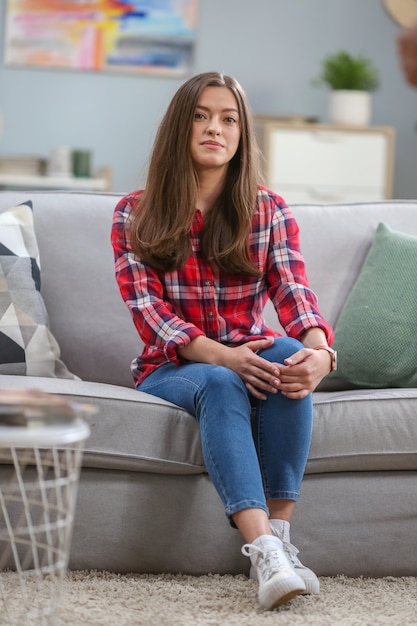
(215, 133)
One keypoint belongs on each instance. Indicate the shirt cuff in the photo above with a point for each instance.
(180, 339)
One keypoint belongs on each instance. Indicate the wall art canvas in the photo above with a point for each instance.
(146, 37)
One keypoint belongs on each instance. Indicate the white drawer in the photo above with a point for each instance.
(313, 194)
(327, 158)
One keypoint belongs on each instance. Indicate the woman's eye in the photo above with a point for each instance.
(230, 120)
(198, 116)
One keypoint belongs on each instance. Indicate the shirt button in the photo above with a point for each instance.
(210, 314)
(208, 283)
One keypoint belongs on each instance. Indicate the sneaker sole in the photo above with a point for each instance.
(280, 592)
(287, 598)
(312, 586)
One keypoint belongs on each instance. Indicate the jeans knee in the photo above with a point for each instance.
(223, 383)
(282, 348)
(219, 378)
(223, 393)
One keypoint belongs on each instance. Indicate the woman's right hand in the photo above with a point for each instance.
(258, 374)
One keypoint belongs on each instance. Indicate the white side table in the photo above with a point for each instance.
(40, 461)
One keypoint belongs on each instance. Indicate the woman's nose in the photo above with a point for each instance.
(213, 128)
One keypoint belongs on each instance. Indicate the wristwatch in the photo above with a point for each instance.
(333, 356)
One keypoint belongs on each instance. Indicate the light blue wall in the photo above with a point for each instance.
(273, 47)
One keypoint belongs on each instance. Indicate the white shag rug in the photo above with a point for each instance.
(93, 598)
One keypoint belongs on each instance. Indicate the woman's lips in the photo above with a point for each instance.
(212, 144)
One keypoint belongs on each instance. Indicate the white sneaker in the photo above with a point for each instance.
(310, 579)
(278, 582)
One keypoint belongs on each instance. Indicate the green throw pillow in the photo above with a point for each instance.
(376, 333)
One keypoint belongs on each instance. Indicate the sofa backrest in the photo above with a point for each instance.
(335, 240)
(86, 313)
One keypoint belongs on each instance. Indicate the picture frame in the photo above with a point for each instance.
(150, 37)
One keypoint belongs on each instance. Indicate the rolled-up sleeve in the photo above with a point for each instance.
(295, 303)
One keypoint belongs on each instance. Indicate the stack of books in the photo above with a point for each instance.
(24, 165)
(32, 407)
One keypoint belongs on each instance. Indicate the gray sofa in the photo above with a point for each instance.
(145, 502)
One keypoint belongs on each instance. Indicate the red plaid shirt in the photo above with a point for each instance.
(169, 309)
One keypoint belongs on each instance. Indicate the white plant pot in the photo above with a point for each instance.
(349, 107)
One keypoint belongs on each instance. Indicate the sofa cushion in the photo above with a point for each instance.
(375, 334)
(26, 344)
(364, 430)
(354, 431)
(131, 430)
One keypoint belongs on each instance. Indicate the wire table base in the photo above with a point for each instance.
(38, 489)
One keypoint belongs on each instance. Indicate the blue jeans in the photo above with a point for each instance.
(254, 450)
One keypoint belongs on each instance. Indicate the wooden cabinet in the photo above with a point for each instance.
(315, 163)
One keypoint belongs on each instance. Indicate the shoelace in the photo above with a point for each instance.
(269, 564)
(291, 551)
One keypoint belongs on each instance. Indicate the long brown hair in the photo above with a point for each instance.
(161, 224)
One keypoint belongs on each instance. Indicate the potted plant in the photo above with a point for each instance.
(351, 79)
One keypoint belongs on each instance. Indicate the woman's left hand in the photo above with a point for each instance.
(303, 371)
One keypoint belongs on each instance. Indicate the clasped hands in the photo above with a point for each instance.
(298, 376)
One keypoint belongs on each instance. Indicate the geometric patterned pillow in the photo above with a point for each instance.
(27, 346)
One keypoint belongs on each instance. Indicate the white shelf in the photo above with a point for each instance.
(54, 182)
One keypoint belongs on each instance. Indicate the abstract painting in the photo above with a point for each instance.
(146, 37)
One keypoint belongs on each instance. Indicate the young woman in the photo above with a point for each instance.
(197, 253)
